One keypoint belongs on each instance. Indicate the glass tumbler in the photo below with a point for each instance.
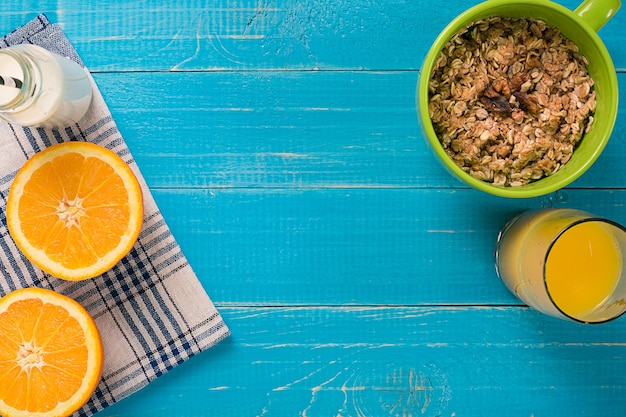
(566, 263)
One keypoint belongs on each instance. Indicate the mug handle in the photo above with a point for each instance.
(597, 12)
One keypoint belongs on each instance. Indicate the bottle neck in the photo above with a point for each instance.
(17, 65)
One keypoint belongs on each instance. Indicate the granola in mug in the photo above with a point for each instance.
(510, 99)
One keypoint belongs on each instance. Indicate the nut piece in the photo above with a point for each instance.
(510, 99)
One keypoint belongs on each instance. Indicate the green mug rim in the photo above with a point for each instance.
(545, 185)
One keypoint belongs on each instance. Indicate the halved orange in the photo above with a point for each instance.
(75, 209)
(51, 354)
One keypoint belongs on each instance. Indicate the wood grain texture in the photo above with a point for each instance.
(292, 129)
(191, 35)
(281, 142)
(353, 246)
(363, 361)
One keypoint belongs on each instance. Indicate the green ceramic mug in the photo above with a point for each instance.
(580, 26)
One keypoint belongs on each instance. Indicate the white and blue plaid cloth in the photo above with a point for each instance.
(151, 310)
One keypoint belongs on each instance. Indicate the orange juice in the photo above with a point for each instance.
(565, 263)
(583, 268)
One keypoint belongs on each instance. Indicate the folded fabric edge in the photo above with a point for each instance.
(41, 31)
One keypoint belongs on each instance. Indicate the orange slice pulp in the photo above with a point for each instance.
(51, 354)
(75, 209)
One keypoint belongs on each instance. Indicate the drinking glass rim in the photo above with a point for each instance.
(549, 250)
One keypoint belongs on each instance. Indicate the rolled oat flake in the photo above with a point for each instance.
(510, 100)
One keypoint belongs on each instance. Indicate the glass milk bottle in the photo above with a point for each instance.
(40, 88)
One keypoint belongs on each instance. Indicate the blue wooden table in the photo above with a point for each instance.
(280, 140)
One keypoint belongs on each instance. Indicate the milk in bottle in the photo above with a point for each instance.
(41, 88)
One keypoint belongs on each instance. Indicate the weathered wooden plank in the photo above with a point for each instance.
(353, 246)
(440, 361)
(291, 129)
(281, 143)
(160, 35)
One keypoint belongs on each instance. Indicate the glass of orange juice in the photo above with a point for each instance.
(566, 263)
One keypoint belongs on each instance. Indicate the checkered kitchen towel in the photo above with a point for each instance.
(151, 310)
